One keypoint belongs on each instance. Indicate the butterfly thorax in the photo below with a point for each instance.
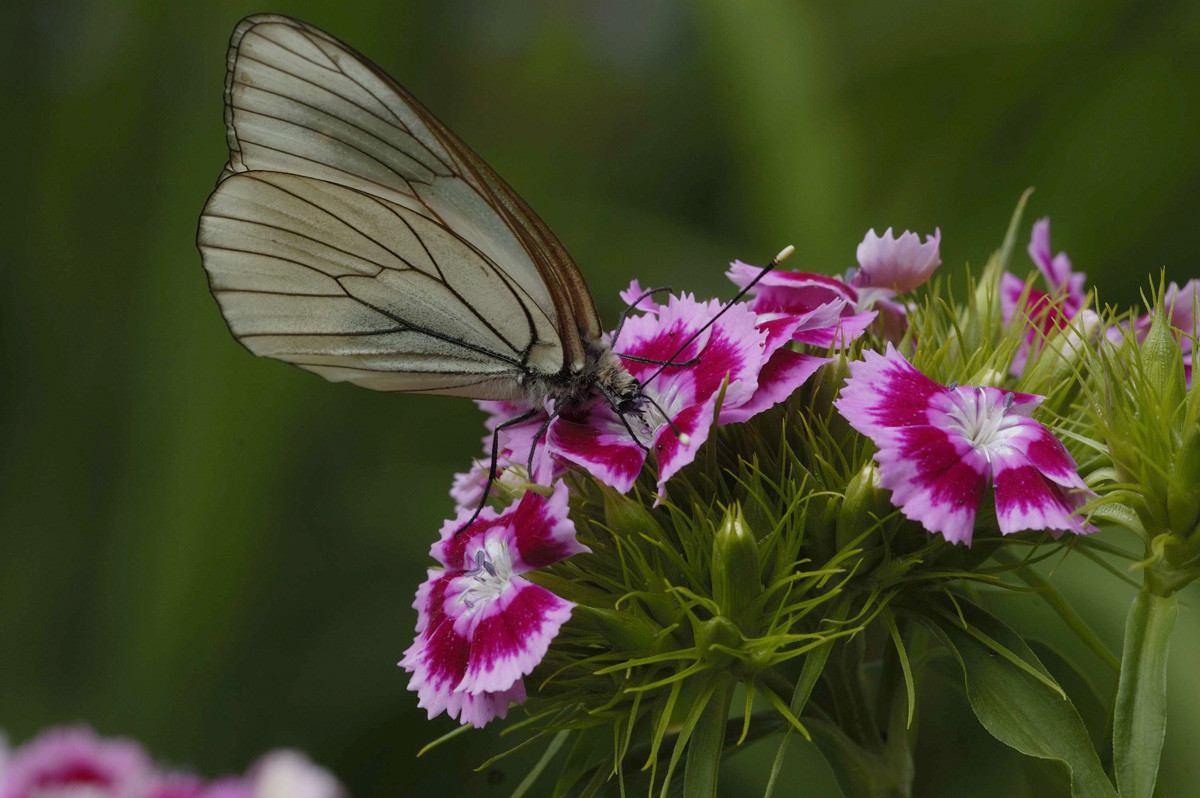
(603, 376)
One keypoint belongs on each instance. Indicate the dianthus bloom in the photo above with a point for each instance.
(741, 361)
(512, 455)
(1049, 311)
(940, 446)
(481, 627)
(74, 762)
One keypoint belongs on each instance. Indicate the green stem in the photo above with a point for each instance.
(1140, 711)
(1050, 594)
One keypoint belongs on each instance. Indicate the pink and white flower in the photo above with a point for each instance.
(481, 627)
(897, 264)
(829, 306)
(75, 763)
(940, 447)
(1049, 311)
(742, 352)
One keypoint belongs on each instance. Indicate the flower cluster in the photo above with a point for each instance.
(486, 617)
(73, 762)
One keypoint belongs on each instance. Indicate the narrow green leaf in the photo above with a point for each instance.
(1140, 714)
(814, 664)
(708, 741)
(547, 756)
(890, 620)
(1019, 709)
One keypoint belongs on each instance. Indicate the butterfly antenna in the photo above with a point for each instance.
(775, 261)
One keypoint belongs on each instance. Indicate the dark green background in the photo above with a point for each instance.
(217, 554)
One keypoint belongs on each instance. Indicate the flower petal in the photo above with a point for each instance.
(478, 709)
(1025, 499)
(1039, 446)
(437, 659)
(886, 391)
(901, 264)
(670, 452)
(935, 478)
(510, 635)
(780, 377)
(599, 443)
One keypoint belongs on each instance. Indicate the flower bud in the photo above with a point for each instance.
(627, 518)
(828, 381)
(713, 632)
(628, 629)
(736, 576)
(863, 504)
(1162, 359)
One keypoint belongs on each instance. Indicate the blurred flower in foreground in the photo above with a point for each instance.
(740, 361)
(74, 762)
(940, 446)
(1049, 311)
(68, 762)
(481, 627)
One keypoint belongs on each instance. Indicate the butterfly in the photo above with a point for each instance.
(353, 235)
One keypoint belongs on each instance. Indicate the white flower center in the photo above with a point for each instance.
(491, 575)
(980, 417)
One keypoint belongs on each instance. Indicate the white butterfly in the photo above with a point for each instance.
(353, 235)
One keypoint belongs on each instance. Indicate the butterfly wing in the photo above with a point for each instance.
(361, 289)
(301, 103)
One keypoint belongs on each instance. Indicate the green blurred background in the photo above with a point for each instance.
(217, 554)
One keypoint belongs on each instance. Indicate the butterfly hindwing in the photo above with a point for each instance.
(360, 289)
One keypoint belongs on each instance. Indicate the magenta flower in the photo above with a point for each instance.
(742, 350)
(481, 628)
(1051, 311)
(940, 447)
(898, 264)
(829, 306)
(70, 762)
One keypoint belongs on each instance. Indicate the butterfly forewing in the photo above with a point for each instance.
(352, 234)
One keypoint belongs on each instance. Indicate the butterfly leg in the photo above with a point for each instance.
(491, 477)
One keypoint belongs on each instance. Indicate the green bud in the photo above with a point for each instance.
(1163, 362)
(736, 576)
(828, 381)
(627, 518)
(862, 505)
(626, 629)
(717, 631)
